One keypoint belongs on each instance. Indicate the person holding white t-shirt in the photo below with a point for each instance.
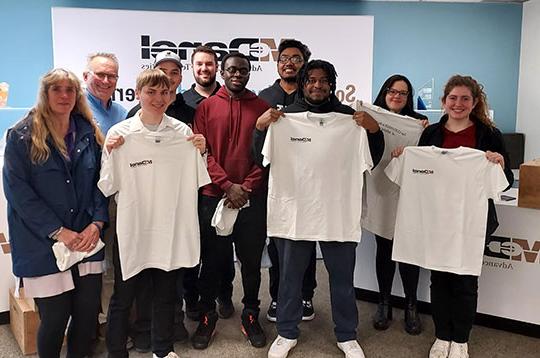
(396, 95)
(155, 238)
(465, 124)
(317, 104)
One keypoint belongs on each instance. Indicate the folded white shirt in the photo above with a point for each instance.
(65, 258)
(225, 217)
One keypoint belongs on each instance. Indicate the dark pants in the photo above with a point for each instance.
(386, 268)
(249, 236)
(191, 278)
(163, 300)
(339, 259)
(309, 282)
(453, 305)
(83, 305)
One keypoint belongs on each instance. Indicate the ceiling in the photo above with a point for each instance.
(483, 1)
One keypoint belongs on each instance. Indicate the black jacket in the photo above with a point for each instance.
(486, 139)
(276, 96)
(178, 109)
(375, 140)
(193, 98)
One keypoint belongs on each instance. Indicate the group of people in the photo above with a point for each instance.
(178, 162)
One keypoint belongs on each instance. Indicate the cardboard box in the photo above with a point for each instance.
(529, 184)
(24, 321)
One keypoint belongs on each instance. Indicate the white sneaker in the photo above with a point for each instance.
(170, 355)
(351, 349)
(439, 349)
(458, 350)
(281, 347)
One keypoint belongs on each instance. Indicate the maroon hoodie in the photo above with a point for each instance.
(227, 124)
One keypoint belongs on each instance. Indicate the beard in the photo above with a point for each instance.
(290, 79)
(205, 82)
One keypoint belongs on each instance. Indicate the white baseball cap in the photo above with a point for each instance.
(167, 56)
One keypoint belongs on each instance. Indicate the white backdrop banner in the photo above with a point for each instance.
(137, 36)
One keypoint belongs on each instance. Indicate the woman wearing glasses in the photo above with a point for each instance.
(51, 168)
(396, 96)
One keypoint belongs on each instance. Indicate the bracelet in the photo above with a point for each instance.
(55, 235)
(96, 225)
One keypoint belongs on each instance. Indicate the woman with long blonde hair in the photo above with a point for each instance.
(51, 168)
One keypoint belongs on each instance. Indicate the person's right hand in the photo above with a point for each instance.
(271, 115)
(237, 196)
(397, 151)
(113, 142)
(70, 238)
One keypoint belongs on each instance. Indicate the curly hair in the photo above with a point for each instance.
(326, 66)
(481, 109)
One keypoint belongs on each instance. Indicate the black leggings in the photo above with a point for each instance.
(83, 305)
(453, 305)
(386, 268)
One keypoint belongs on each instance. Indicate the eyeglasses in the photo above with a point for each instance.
(233, 70)
(294, 59)
(394, 92)
(102, 76)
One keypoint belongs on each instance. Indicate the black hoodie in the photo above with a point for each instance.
(375, 140)
(276, 96)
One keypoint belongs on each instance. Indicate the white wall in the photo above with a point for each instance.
(528, 110)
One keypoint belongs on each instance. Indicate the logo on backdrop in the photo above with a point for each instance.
(256, 49)
(511, 250)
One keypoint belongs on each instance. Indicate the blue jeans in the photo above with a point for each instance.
(339, 259)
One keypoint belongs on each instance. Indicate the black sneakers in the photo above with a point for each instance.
(308, 313)
(252, 329)
(205, 330)
(271, 315)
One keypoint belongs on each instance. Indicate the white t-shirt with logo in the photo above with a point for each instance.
(316, 176)
(156, 176)
(443, 205)
(381, 195)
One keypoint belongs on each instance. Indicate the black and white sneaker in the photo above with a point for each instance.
(308, 312)
(272, 311)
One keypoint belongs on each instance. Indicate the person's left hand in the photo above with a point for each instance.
(89, 238)
(495, 157)
(365, 120)
(424, 123)
(198, 141)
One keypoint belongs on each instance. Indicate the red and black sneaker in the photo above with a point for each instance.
(252, 329)
(205, 330)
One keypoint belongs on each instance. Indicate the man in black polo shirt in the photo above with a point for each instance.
(204, 62)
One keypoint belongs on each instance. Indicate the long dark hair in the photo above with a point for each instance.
(408, 110)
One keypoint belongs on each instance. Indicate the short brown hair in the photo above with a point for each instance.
(153, 78)
(204, 49)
